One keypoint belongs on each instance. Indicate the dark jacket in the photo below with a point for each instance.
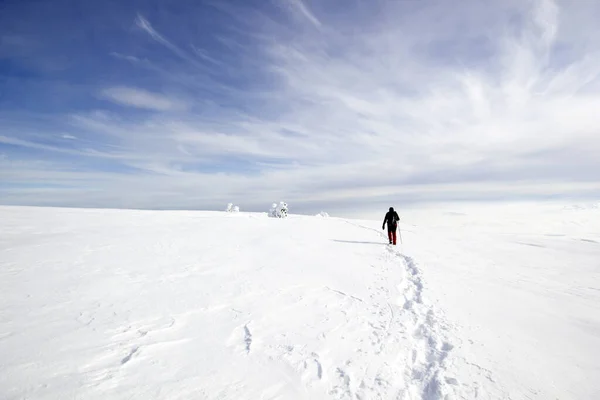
(391, 218)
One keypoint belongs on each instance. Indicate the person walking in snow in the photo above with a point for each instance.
(391, 218)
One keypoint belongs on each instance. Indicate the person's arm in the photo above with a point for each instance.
(384, 219)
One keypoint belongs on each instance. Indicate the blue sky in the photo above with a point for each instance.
(336, 105)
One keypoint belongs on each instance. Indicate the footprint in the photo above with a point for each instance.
(447, 346)
(127, 358)
(319, 367)
(247, 338)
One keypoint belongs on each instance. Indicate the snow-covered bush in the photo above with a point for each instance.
(278, 210)
(323, 214)
(283, 209)
(232, 208)
(273, 211)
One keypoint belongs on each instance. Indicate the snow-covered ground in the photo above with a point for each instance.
(111, 304)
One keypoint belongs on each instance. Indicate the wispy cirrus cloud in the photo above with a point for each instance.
(140, 98)
(300, 9)
(385, 101)
(143, 24)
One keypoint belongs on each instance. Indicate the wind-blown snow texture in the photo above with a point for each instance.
(109, 304)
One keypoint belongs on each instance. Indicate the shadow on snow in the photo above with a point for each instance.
(357, 242)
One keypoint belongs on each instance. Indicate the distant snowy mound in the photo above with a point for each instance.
(592, 206)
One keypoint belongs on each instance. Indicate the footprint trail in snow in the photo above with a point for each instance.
(387, 344)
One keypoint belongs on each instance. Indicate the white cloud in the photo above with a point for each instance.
(300, 9)
(145, 25)
(140, 98)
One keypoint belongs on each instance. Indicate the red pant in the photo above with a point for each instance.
(392, 235)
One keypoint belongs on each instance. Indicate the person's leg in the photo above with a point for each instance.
(390, 235)
(394, 237)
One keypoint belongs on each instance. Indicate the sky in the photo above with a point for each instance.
(341, 106)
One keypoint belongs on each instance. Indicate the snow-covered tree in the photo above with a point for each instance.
(283, 209)
(278, 210)
(232, 208)
(273, 211)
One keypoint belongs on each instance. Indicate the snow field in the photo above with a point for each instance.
(123, 304)
(521, 285)
(135, 304)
